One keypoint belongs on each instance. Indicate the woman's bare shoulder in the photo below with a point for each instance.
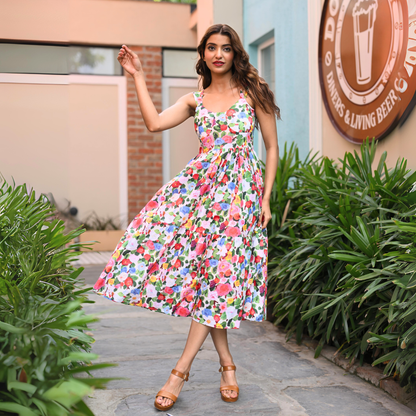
(189, 100)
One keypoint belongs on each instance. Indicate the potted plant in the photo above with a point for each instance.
(104, 232)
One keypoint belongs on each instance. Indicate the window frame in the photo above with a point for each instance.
(194, 50)
(65, 47)
(260, 48)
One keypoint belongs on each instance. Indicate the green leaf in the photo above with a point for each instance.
(364, 343)
(40, 405)
(68, 393)
(83, 409)
(16, 408)
(319, 347)
(88, 368)
(78, 356)
(79, 318)
(406, 282)
(29, 388)
(331, 322)
(315, 311)
(13, 329)
(387, 357)
(353, 258)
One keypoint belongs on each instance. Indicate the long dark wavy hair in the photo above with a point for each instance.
(244, 74)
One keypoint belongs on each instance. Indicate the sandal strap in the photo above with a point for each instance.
(234, 388)
(227, 368)
(166, 394)
(180, 375)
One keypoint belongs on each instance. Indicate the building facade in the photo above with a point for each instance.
(283, 40)
(69, 118)
(276, 37)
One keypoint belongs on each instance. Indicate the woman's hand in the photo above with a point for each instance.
(265, 215)
(129, 60)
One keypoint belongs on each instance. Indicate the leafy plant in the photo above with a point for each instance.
(34, 250)
(44, 341)
(346, 278)
(94, 222)
(40, 350)
(282, 205)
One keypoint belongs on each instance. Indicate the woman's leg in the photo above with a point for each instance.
(196, 337)
(219, 336)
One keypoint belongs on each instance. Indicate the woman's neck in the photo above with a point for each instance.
(221, 83)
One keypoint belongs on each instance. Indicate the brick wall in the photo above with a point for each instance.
(144, 148)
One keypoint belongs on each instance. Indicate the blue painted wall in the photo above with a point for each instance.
(287, 21)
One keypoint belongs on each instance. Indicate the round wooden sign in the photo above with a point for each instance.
(367, 58)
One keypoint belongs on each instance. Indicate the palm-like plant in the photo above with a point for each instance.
(284, 202)
(34, 249)
(43, 339)
(43, 344)
(342, 278)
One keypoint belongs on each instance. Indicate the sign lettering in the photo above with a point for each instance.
(367, 58)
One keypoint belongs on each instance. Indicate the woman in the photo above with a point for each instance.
(199, 246)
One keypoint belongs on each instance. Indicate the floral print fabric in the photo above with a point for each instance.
(196, 248)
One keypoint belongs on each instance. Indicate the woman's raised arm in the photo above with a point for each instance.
(172, 116)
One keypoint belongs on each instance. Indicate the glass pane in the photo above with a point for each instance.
(33, 59)
(267, 65)
(58, 60)
(268, 73)
(179, 64)
(96, 61)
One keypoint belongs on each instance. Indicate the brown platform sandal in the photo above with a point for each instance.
(168, 395)
(234, 388)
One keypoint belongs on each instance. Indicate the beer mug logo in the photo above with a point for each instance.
(364, 15)
(367, 65)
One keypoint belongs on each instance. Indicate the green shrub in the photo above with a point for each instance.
(43, 338)
(34, 251)
(347, 274)
(42, 345)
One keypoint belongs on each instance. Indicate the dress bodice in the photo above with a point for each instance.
(230, 128)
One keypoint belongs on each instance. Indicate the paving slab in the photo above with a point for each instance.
(91, 273)
(138, 346)
(280, 364)
(275, 377)
(324, 401)
(147, 374)
(252, 402)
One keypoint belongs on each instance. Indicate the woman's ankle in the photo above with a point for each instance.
(183, 366)
(226, 361)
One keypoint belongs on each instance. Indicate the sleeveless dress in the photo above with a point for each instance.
(196, 248)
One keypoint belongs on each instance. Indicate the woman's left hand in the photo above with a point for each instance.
(265, 215)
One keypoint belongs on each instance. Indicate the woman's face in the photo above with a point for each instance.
(219, 54)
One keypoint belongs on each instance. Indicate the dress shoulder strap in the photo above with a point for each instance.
(198, 97)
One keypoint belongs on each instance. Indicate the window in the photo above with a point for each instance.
(266, 69)
(58, 60)
(179, 63)
(94, 61)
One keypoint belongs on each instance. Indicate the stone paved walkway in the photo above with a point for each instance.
(275, 377)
